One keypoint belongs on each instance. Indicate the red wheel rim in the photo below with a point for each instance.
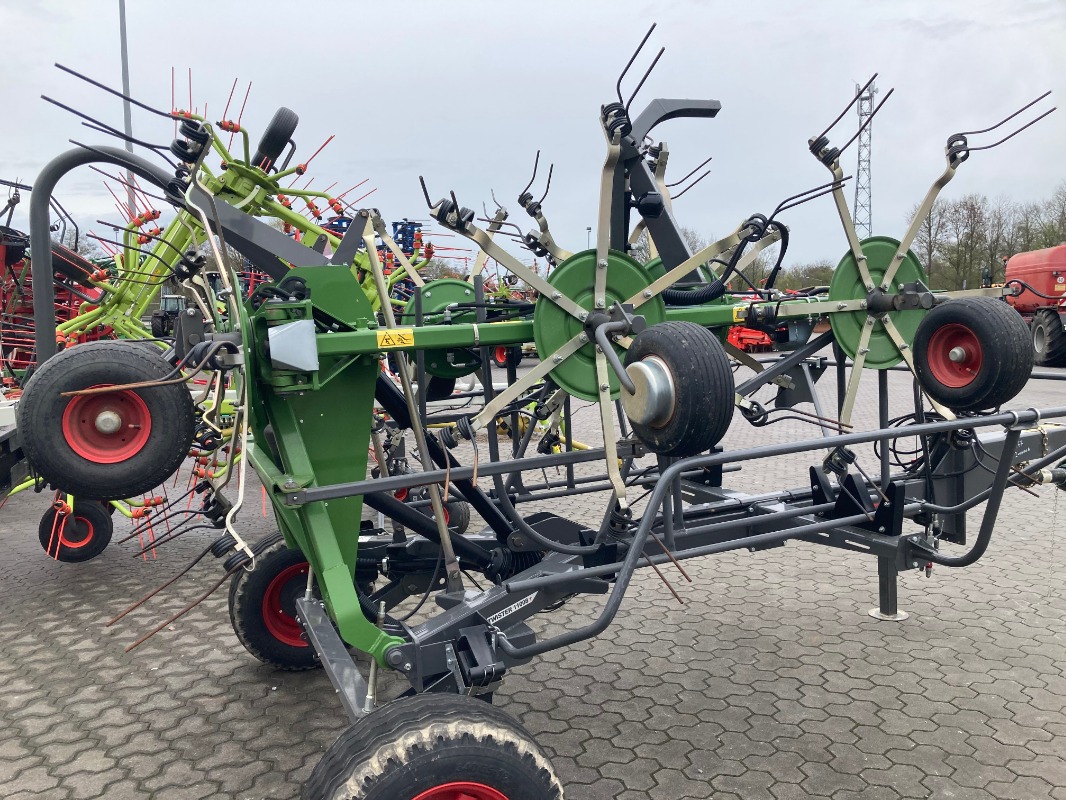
(277, 602)
(107, 428)
(501, 355)
(954, 355)
(461, 790)
(76, 525)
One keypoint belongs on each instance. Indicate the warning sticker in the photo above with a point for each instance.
(396, 337)
(739, 313)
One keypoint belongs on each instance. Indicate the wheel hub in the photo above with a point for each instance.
(108, 422)
(279, 605)
(653, 402)
(107, 428)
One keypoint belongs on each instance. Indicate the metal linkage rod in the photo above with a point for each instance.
(453, 574)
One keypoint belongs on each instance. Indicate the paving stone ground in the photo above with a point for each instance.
(770, 683)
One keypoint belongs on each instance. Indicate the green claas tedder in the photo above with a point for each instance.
(307, 359)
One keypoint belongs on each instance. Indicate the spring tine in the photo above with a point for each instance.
(670, 555)
(228, 99)
(662, 577)
(787, 200)
(693, 172)
(184, 610)
(831, 188)
(1012, 135)
(115, 92)
(536, 163)
(497, 202)
(646, 75)
(425, 191)
(700, 178)
(847, 108)
(551, 169)
(1006, 119)
(632, 58)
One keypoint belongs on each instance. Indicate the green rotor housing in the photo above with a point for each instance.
(847, 284)
(552, 327)
(436, 297)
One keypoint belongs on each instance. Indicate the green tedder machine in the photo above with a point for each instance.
(643, 343)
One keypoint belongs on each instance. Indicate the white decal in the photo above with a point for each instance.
(525, 601)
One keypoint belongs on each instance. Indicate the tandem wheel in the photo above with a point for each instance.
(434, 747)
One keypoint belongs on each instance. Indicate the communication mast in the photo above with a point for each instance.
(863, 192)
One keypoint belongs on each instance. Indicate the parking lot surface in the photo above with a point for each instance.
(770, 682)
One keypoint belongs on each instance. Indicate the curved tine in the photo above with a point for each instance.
(700, 178)
(159, 239)
(126, 183)
(124, 247)
(92, 149)
(488, 220)
(101, 128)
(454, 200)
(811, 197)
(117, 93)
(536, 163)
(1006, 119)
(425, 191)
(866, 124)
(632, 58)
(646, 74)
(693, 172)
(847, 108)
(497, 202)
(1012, 135)
(832, 184)
(551, 169)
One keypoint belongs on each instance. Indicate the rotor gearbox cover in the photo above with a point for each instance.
(436, 297)
(847, 284)
(553, 327)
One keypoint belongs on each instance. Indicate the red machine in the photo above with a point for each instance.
(1042, 302)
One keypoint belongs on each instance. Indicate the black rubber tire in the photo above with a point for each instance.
(41, 412)
(458, 515)
(511, 355)
(276, 135)
(1006, 353)
(247, 591)
(159, 326)
(703, 386)
(415, 744)
(1049, 339)
(86, 534)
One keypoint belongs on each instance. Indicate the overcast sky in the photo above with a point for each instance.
(465, 92)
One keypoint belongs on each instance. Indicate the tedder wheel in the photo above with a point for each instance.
(110, 445)
(262, 608)
(434, 747)
(503, 355)
(684, 400)
(1049, 339)
(972, 353)
(82, 535)
(458, 515)
(277, 134)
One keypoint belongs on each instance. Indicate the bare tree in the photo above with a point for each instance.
(930, 241)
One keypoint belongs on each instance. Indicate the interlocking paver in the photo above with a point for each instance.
(770, 682)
